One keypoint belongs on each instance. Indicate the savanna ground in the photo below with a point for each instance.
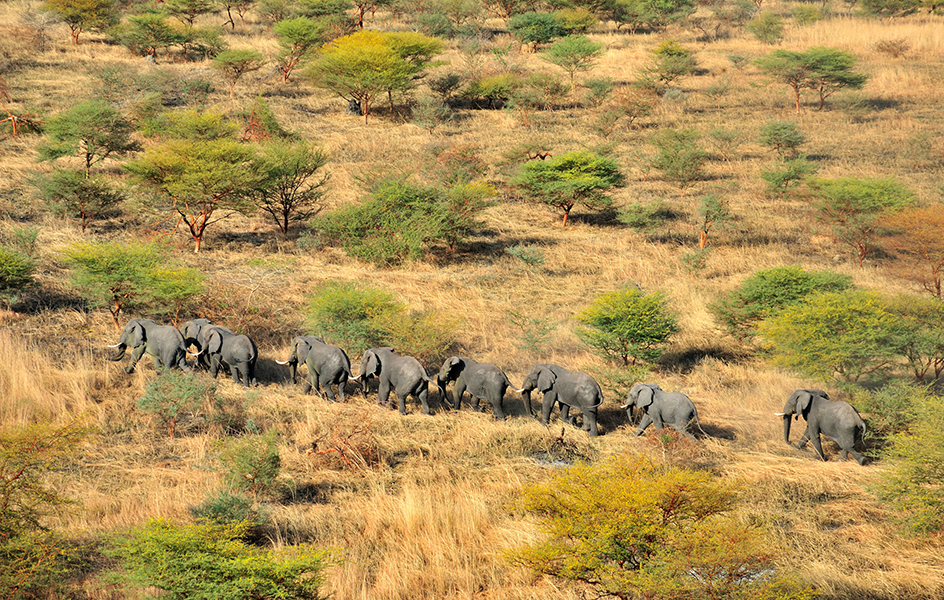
(424, 507)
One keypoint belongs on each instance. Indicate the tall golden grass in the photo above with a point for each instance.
(429, 507)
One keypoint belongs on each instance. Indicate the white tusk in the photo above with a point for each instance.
(521, 391)
(781, 414)
(280, 362)
(115, 346)
(625, 406)
(354, 378)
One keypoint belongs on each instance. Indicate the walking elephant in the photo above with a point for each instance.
(238, 352)
(327, 365)
(571, 389)
(481, 380)
(196, 332)
(661, 408)
(163, 342)
(402, 374)
(836, 420)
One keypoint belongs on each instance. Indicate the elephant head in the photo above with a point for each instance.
(798, 404)
(449, 372)
(133, 335)
(641, 396)
(191, 331)
(541, 378)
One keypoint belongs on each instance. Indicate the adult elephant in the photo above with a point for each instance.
(402, 374)
(661, 408)
(836, 420)
(327, 365)
(163, 342)
(238, 352)
(571, 389)
(481, 380)
(196, 332)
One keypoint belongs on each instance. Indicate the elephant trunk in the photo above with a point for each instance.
(119, 354)
(786, 427)
(526, 398)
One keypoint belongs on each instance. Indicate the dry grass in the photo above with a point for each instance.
(423, 507)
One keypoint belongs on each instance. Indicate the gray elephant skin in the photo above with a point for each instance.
(571, 389)
(327, 365)
(481, 380)
(163, 342)
(661, 408)
(238, 352)
(195, 334)
(402, 374)
(836, 420)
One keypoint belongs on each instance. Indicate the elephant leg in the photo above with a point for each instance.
(565, 415)
(424, 398)
(818, 445)
(646, 422)
(401, 402)
(234, 373)
(329, 393)
(549, 399)
(657, 420)
(341, 385)
(136, 355)
(497, 410)
(590, 423)
(383, 393)
(214, 366)
(458, 393)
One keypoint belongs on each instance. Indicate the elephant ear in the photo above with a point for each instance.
(546, 379)
(803, 401)
(371, 363)
(139, 334)
(300, 349)
(645, 396)
(215, 342)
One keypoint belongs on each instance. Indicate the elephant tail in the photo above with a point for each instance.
(697, 422)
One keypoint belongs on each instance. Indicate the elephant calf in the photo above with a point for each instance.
(481, 380)
(672, 408)
(836, 420)
(570, 389)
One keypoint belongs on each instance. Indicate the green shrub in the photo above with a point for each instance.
(252, 465)
(575, 21)
(210, 561)
(351, 315)
(429, 336)
(805, 14)
(765, 293)
(492, 89)
(838, 335)
(631, 529)
(766, 27)
(680, 158)
(915, 482)
(226, 508)
(627, 325)
(174, 394)
(529, 254)
(535, 27)
(599, 90)
(645, 217)
(16, 272)
(534, 332)
(788, 175)
(891, 409)
(574, 53)
(784, 137)
(695, 262)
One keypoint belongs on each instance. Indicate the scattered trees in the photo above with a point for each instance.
(853, 208)
(784, 137)
(914, 236)
(627, 325)
(367, 63)
(83, 15)
(822, 69)
(578, 177)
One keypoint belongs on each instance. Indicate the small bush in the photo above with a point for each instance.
(535, 27)
(529, 254)
(210, 560)
(574, 21)
(174, 394)
(627, 325)
(894, 47)
(806, 14)
(891, 409)
(351, 315)
(534, 332)
(695, 262)
(767, 27)
(784, 137)
(670, 61)
(788, 175)
(252, 465)
(599, 89)
(428, 336)
(765, 293)
(226, 508)
(645, 217)
(680, 158)
(16, 272)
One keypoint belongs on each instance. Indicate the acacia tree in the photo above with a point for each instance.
(915, 238)
(83, 15)
(367, 63)
(298, 38)
(75, 194)
(573, 53)
(199, 178)
(290, 185)
(236, 63)
(93, 130)
(853, 208)
(822, 69)
(564, 181)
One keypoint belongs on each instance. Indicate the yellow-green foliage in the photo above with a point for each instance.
(208, 560)
(627, 324)
(636, 530)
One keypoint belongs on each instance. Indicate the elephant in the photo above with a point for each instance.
(571, 389)
(836, 420)
(404, 374)
(195, 334)
(327, 365)
(481, 380)
(661, 408)
(236, 351)
(163, 342)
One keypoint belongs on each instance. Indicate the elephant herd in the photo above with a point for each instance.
(329, 366)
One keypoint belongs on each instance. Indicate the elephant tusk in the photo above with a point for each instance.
(624, 406)
(521, 391)
(354, 378)
(115, 345)
(781, 414)
(280, 362)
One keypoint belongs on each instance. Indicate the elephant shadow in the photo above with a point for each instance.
(269, 371)
(716, 431)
